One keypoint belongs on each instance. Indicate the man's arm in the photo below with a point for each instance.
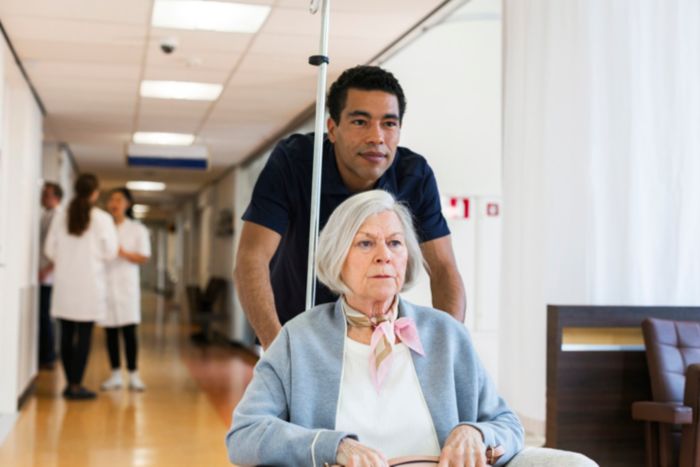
(252, 277)
(446, 284)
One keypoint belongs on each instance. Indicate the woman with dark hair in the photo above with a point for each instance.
(80, 242)
(124, 289)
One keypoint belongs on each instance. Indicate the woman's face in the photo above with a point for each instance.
(375, 267)
(94, 197)
(117, 204)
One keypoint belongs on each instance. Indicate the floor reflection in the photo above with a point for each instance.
(180, 419)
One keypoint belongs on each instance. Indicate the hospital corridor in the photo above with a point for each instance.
(349, 233)
(179, 420)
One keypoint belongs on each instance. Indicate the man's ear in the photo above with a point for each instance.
(331, 125)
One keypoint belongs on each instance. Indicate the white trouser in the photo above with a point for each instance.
(544, 457)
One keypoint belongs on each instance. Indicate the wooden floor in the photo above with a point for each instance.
(180, 420)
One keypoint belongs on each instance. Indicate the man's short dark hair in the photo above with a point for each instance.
(55, 189)
(366, 78)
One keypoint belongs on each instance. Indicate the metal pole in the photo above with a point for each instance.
(322, 62)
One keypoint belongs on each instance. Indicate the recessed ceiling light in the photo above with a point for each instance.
(209, 15)
(173, 139)
(145, 186)
(180, 90)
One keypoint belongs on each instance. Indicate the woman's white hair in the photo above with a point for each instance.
(342, 226)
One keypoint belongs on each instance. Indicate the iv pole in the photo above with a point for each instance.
(321, 61)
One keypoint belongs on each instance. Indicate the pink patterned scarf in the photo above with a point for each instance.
(386, 330)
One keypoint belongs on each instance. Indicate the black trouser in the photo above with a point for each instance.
(75, 348)
(47, 347)
(129, 335)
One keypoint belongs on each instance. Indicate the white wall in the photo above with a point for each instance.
(222, 244)
(601, 168)
(57, 168)
(452, 79)
(451, 76)
(205, 202)
(20, 184)
(214, 254)
(222, 254)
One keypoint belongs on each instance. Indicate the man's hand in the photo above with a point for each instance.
(352, 453)
(446, 284)
(464, 448)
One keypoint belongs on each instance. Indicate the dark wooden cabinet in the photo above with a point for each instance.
(590, 389)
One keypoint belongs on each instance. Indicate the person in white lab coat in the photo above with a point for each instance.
(51, 196)
(80, 241)
(124, 289)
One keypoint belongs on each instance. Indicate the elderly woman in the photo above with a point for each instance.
(371, 377)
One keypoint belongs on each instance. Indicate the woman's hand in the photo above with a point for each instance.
(464, 448)
(352, 453)
(132, 257)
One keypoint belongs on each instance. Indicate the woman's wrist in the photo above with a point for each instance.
(350, 449)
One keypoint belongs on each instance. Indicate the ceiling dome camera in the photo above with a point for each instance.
(168, 45)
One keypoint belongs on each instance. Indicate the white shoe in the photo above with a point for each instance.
(114, 381)
(135, 383)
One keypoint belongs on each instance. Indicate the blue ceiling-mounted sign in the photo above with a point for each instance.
(171, 157)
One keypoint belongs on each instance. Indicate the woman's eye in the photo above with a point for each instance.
(364, 244)
(395, 243)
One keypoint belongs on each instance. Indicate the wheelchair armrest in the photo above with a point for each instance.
(664, 412)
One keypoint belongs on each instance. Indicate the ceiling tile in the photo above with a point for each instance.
(87, 57)
(33, 50)
(123, 11)
(184, 72)
(79, 32)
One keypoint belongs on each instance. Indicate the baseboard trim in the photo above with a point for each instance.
(7, 423)
(28, 392)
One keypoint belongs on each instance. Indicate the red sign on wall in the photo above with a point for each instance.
(458, 208)
(492, 209)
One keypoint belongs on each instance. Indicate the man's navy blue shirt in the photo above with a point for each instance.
(281, 202)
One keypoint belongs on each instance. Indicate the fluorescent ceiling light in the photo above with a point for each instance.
(145, 186)
(172, 139)
(181, 90)
(209, 15)
(141, 208)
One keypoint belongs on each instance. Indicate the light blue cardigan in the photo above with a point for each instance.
(287, 414)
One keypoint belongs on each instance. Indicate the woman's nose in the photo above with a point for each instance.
(383, 254)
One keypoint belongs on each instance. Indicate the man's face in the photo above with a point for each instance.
(366, 137)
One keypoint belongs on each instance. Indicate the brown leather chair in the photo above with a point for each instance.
(671, 420)
(202, 305)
